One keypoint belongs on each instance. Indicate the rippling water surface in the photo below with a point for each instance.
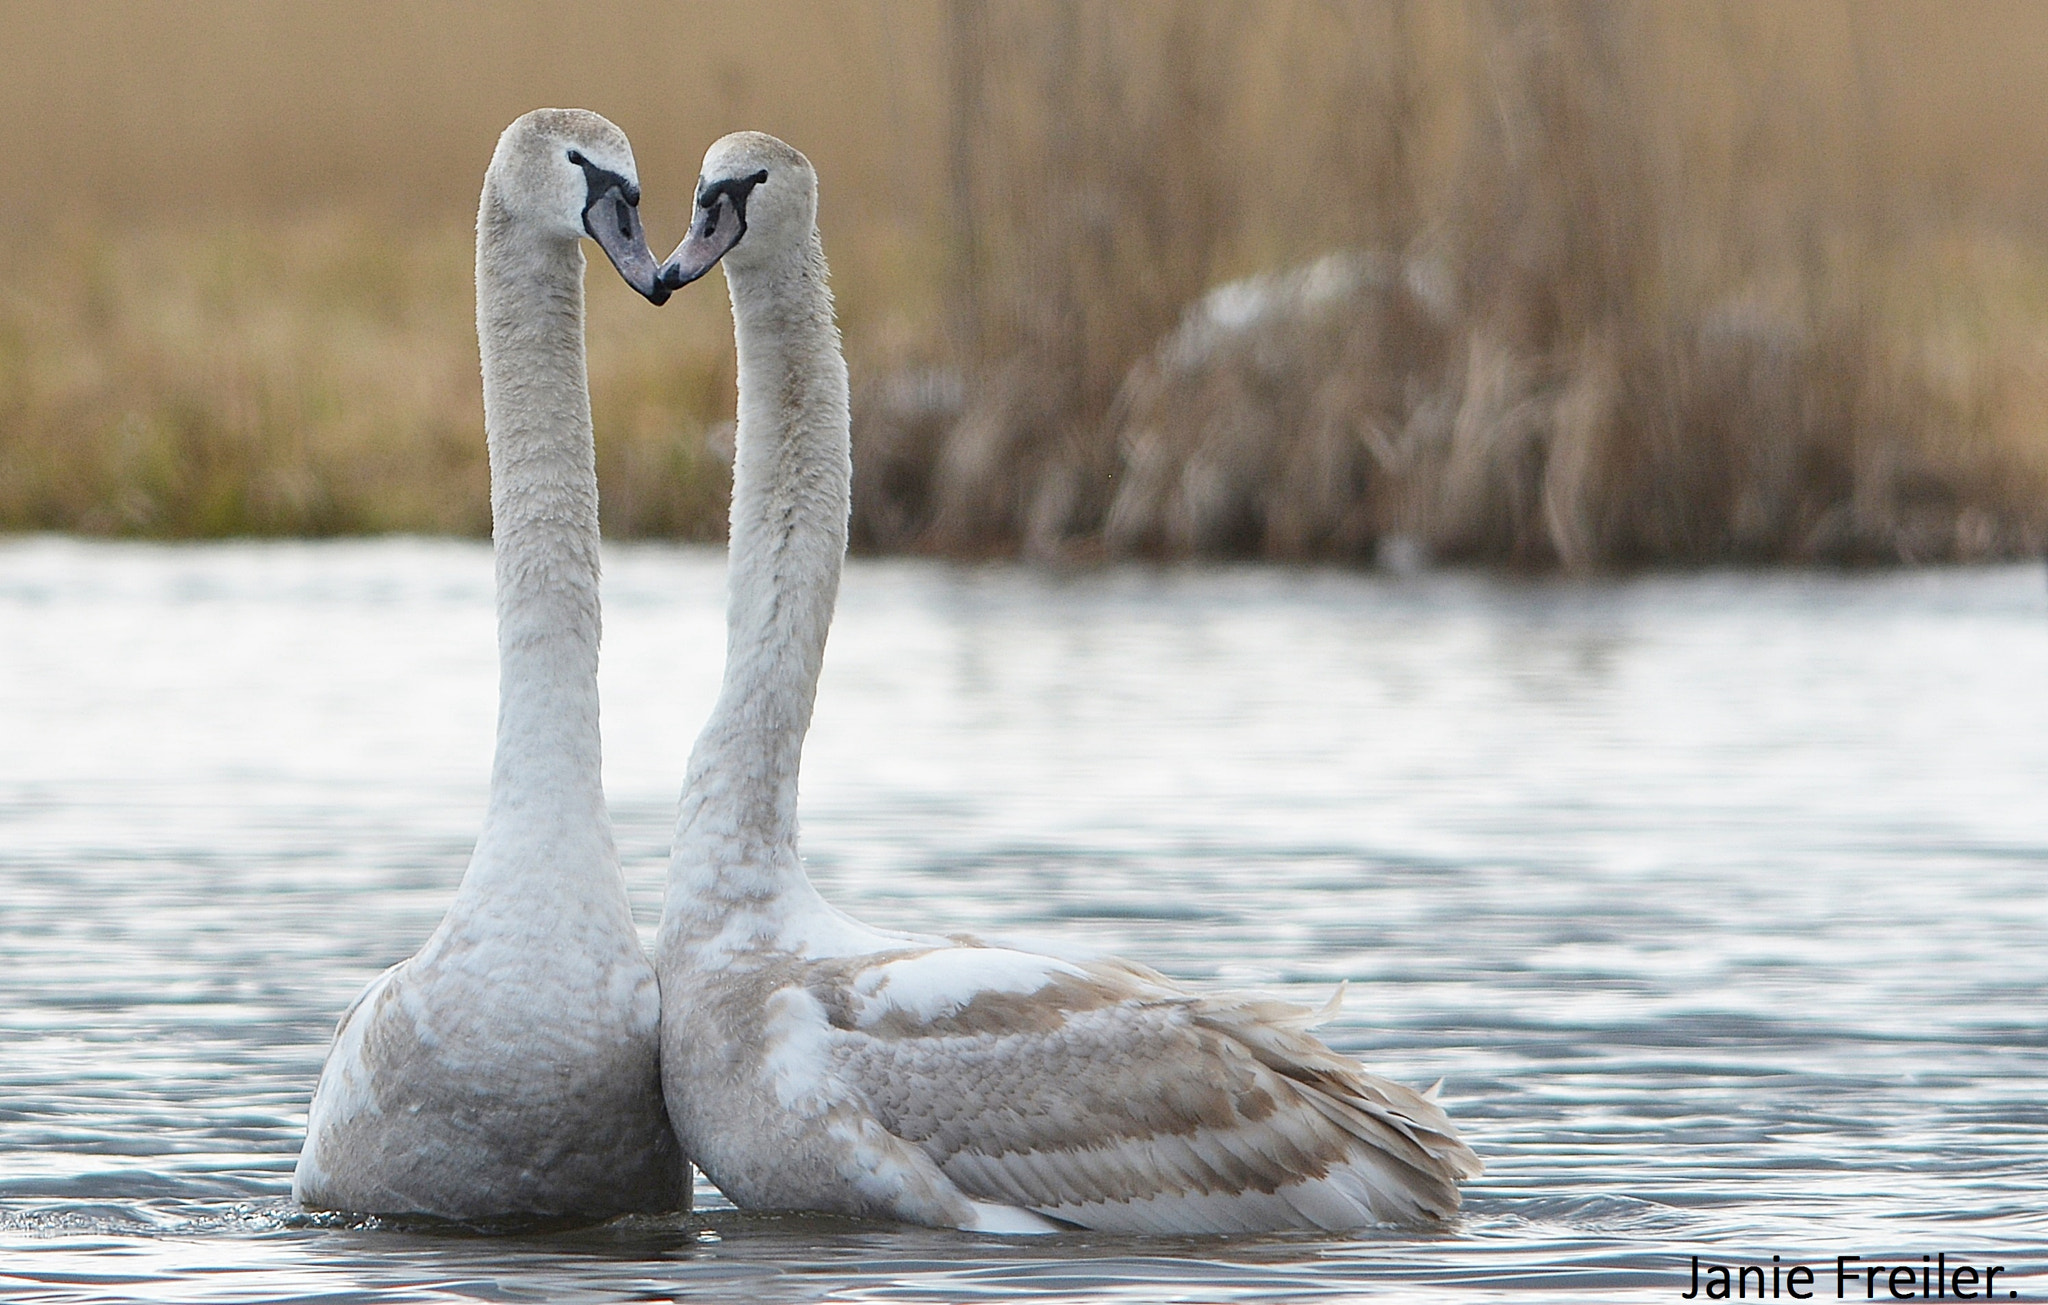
(1720, 903)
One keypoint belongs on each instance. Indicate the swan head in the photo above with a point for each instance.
(757, 198)
(570, 173)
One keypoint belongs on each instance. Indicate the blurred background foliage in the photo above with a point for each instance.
(1546, 284)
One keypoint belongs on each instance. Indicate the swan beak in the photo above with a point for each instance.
(613, 221)
(718, 228)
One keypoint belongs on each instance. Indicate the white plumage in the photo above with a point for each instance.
(509, 1068)
(812, 1062)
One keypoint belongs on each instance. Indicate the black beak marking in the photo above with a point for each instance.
(736, 189)
(627, 247)
(704, 246)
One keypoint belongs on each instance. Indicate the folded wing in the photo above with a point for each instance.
(1103, 1095)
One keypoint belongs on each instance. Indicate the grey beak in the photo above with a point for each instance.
(718, 228)
(613, 221)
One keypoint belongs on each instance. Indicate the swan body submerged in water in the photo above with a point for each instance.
(813, 1062)
(509, 1068)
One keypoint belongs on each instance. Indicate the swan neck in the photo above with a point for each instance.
(546, 792)
(792, 472)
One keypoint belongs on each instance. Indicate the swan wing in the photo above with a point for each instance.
(1104, 1095)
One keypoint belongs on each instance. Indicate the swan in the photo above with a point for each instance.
(812, 1062)
(509, 1070)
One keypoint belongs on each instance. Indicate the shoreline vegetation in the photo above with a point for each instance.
(1549, 286)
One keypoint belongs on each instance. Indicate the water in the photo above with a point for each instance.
(1720, 903)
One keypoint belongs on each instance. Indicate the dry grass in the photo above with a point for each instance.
(203, 399)
(1626, 285)
(1549, 284)
(235, 277)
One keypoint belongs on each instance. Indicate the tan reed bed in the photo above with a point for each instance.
(1600, 284)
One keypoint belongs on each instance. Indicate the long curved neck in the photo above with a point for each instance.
(792, 473)
(546, 818)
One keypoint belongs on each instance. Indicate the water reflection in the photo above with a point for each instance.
(1717, 901)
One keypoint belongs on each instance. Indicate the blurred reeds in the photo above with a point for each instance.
(1550, 284)
(311, 376)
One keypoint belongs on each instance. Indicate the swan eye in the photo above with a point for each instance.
(576, 157)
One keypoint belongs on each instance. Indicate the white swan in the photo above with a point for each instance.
(813, 1062)
(509, 1069)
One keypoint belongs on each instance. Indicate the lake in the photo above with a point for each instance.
(1718, 901)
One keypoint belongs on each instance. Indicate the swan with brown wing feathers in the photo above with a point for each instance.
(812, 1062)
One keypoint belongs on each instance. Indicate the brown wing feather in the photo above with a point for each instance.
(1120, 1087)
